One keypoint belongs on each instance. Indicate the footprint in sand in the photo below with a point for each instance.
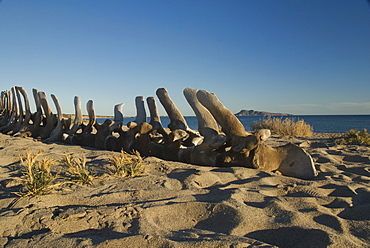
(292, 237)
(216, 217)
(202, 179)
(329, 221)
(356, 158)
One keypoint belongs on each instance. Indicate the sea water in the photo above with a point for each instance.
(320, 123)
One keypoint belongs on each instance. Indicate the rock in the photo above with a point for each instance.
(258, 113)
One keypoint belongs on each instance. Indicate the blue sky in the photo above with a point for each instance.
(299, 57)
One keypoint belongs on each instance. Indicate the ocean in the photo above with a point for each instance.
(320, 123)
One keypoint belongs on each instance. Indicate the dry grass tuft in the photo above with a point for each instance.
(77, 169)
(284, 127)
(126, 165)
(354, 137)
(37, 173)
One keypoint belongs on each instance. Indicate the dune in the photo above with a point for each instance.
(174, 204)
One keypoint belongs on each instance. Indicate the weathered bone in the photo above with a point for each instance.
(2, 102)
(168, 146)
(86, 138)
(78, 116)
(142, 139)
(118, 114)
(112, 143)
(92, 117)
(57, 132)
(103, 131)
(155, 120)
(26, 122)
(20, 118)
(204, 154)
(289, 159)
(17, 115)
(140, 112)
(128, 139)
(118, 118)
(50, 118)
(177, 139)
(13, 114)
(6, 113)
(177, 120)
(249, 151)
(241, 140)
(4, 108)
(37, 117)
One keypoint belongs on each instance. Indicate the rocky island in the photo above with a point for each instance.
(257, 113)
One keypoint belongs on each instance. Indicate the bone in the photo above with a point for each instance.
(56, 133)
(127, 138)
(26, 122)
(37, 117)
(86, 138)
(142, 139)
(177, 120)
(118, 114)
(155, 120)
(50, 118)
(44, 104)
(19, 115)
(242, 141)
(78, 116)
(289, 159)
(207, 125)
(140, 110)
(118, 118)
(2, 101)
(5, 95)
(103, 131)
(20, 111)
(92, 117)
(248, 150)
(229, 122)
(13, 114)
(204, 154)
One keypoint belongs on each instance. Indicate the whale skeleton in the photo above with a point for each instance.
(220, 140)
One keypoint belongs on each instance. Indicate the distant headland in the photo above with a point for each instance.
(257, 113)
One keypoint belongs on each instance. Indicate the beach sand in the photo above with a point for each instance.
(173, 204)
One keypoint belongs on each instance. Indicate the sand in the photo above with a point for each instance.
(174, 204)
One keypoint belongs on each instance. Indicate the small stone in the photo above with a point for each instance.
(127, 225)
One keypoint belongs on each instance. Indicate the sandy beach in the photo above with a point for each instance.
(174, 204)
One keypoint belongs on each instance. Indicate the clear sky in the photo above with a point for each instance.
(298, 57)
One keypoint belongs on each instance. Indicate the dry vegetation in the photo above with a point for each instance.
(126, 165)
(37, 176)
(77, 169)
(354, 137)
(284, 127)
(38, 179)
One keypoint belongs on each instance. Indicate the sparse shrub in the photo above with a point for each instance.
(354, 137)
(77, 169)
(126, 165)
(37, 173)
(284, 127)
